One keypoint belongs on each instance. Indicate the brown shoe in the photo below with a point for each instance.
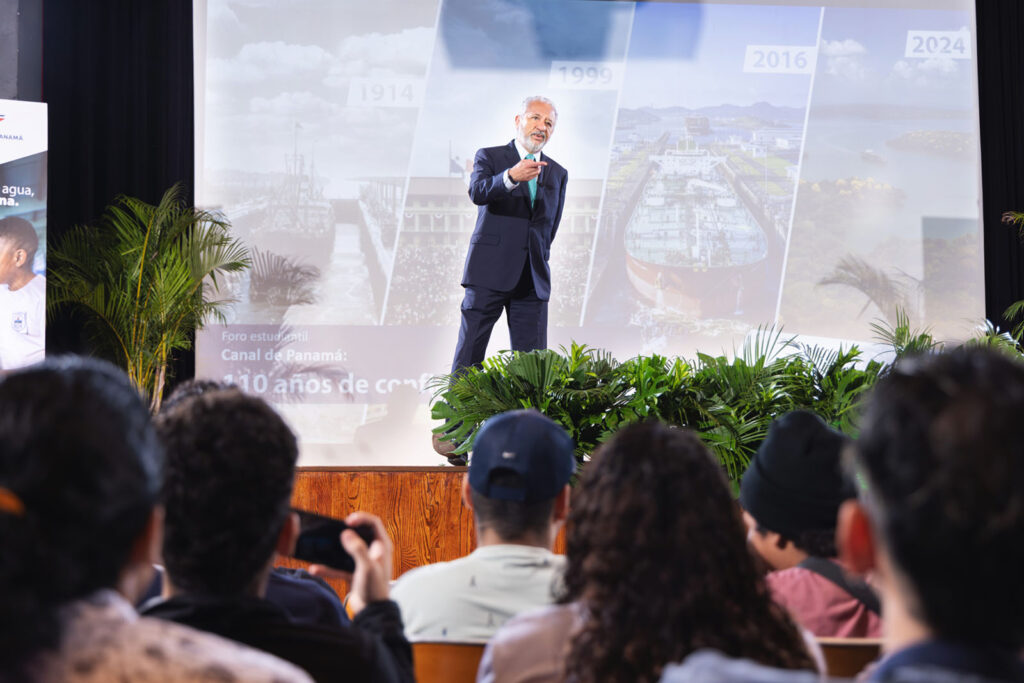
(446, 448)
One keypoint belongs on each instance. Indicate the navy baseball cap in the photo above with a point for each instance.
(526, 443)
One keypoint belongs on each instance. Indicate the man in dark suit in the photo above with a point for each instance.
(520, 195)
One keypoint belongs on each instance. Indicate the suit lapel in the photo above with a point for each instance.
(511, 154)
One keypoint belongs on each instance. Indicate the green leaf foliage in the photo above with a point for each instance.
(729, 400)
(1015, 311)
(138, 276)
(904, 339)
(577, 388)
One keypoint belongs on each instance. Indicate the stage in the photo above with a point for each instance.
(421, 508)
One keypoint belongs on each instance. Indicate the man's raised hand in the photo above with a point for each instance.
(525, 170)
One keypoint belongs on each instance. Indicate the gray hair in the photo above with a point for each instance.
(539, 98)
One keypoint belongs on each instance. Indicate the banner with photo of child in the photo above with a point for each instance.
(22, 233)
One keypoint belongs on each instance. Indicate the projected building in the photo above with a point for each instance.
(437, 221)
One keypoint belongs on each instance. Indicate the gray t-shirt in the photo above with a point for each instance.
(469, 599)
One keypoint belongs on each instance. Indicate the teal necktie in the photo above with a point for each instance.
(532, 183)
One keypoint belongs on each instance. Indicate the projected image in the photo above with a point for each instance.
(702, 172)
(886, 218)
(472, 97)
(729, 166)
(310, 113)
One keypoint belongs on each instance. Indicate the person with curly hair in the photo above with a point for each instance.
(939, 522)
(658, 567)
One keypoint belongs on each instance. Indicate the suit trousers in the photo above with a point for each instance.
(481, 308)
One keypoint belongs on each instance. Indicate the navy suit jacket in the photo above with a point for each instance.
(508, 230)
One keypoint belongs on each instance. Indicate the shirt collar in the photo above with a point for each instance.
(500, 549)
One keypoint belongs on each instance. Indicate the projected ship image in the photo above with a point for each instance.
(690, 242)
(318, 257)
(297, 218)
(698, 203)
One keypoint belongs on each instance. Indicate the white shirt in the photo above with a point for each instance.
(23, 324)
(509, 185)
(469, 599)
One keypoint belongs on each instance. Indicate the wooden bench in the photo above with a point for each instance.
(847, 657)
(446, 662)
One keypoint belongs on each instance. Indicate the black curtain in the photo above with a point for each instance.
(117, 75)
(1000, 48)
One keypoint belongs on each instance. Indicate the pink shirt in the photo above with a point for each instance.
(822, 607)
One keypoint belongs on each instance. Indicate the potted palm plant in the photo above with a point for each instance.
(138, 276)
(1016, 309)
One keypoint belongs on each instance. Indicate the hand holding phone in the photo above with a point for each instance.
(371, 577)
(319, 540)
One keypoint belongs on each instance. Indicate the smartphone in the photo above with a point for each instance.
(319, 540)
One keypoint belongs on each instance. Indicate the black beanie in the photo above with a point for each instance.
(795, 482)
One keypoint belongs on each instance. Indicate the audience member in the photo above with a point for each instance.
(658, 566)
(940, 523)
(518, 489)
(190, 389)
(791, 495)
(229, 477)
(80, 527)
(306, 598)
(22, 296)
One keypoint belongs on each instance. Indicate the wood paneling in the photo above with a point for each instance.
(421, 507)
(848, 657)
(446, 662)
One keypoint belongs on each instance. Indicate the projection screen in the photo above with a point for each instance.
(731, 165)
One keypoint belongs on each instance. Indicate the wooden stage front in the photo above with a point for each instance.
(421, 508)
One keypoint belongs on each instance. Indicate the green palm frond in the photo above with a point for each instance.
(1014, 218)
(1015, 310)
(580, 388)
(146, 277)
(729, 401)
(988, 334)
(904, 339)
(765, 346)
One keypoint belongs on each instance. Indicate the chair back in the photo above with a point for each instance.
(446, 662)
(847, 657)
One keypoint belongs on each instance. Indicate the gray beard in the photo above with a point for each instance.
(529, 144)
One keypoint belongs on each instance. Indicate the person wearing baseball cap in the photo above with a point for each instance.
(517, 487)
(791, 494)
